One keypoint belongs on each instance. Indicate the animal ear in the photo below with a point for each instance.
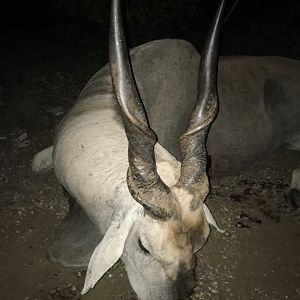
(110, 249)
(210, 219)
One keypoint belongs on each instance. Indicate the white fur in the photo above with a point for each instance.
(90, 158)
(90, 161)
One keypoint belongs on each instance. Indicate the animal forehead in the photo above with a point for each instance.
(188, 216)
(178, 231)
(171, 242)
(188, 224)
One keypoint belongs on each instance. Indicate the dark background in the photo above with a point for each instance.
(256, 27)
(50, 48)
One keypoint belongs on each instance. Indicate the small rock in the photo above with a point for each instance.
(22, 141)
(3, 178)
(73, 288)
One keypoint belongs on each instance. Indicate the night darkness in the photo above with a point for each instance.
(255, 27)
(48, 51)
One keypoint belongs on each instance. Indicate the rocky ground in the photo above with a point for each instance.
(257, 257)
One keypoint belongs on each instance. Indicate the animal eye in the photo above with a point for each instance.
(142, 247)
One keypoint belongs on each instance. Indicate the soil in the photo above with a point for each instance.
(256, 258)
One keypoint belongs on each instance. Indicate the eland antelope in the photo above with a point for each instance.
(133, 150)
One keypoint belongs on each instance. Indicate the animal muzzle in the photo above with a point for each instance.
(186, 280)
(178, 270)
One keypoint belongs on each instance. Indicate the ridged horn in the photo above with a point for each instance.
(144, 183)
(193, 141)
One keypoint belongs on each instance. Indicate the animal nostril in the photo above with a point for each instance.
(185, 282)
(188, 265)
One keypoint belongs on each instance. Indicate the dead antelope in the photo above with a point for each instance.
(113, 152)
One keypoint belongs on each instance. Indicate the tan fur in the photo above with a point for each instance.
(173, 243)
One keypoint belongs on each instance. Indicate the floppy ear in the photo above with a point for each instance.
(110, 249)
(210, 219)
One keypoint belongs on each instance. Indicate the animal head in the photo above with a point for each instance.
(158, 236)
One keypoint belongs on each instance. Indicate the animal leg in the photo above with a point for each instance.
(294, 192)
(42, 161)
(75, 239)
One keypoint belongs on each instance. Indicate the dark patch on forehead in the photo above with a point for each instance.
(185, 283)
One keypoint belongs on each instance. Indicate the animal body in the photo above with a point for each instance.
(135, 200)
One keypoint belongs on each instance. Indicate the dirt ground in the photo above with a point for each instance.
(257, 257)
